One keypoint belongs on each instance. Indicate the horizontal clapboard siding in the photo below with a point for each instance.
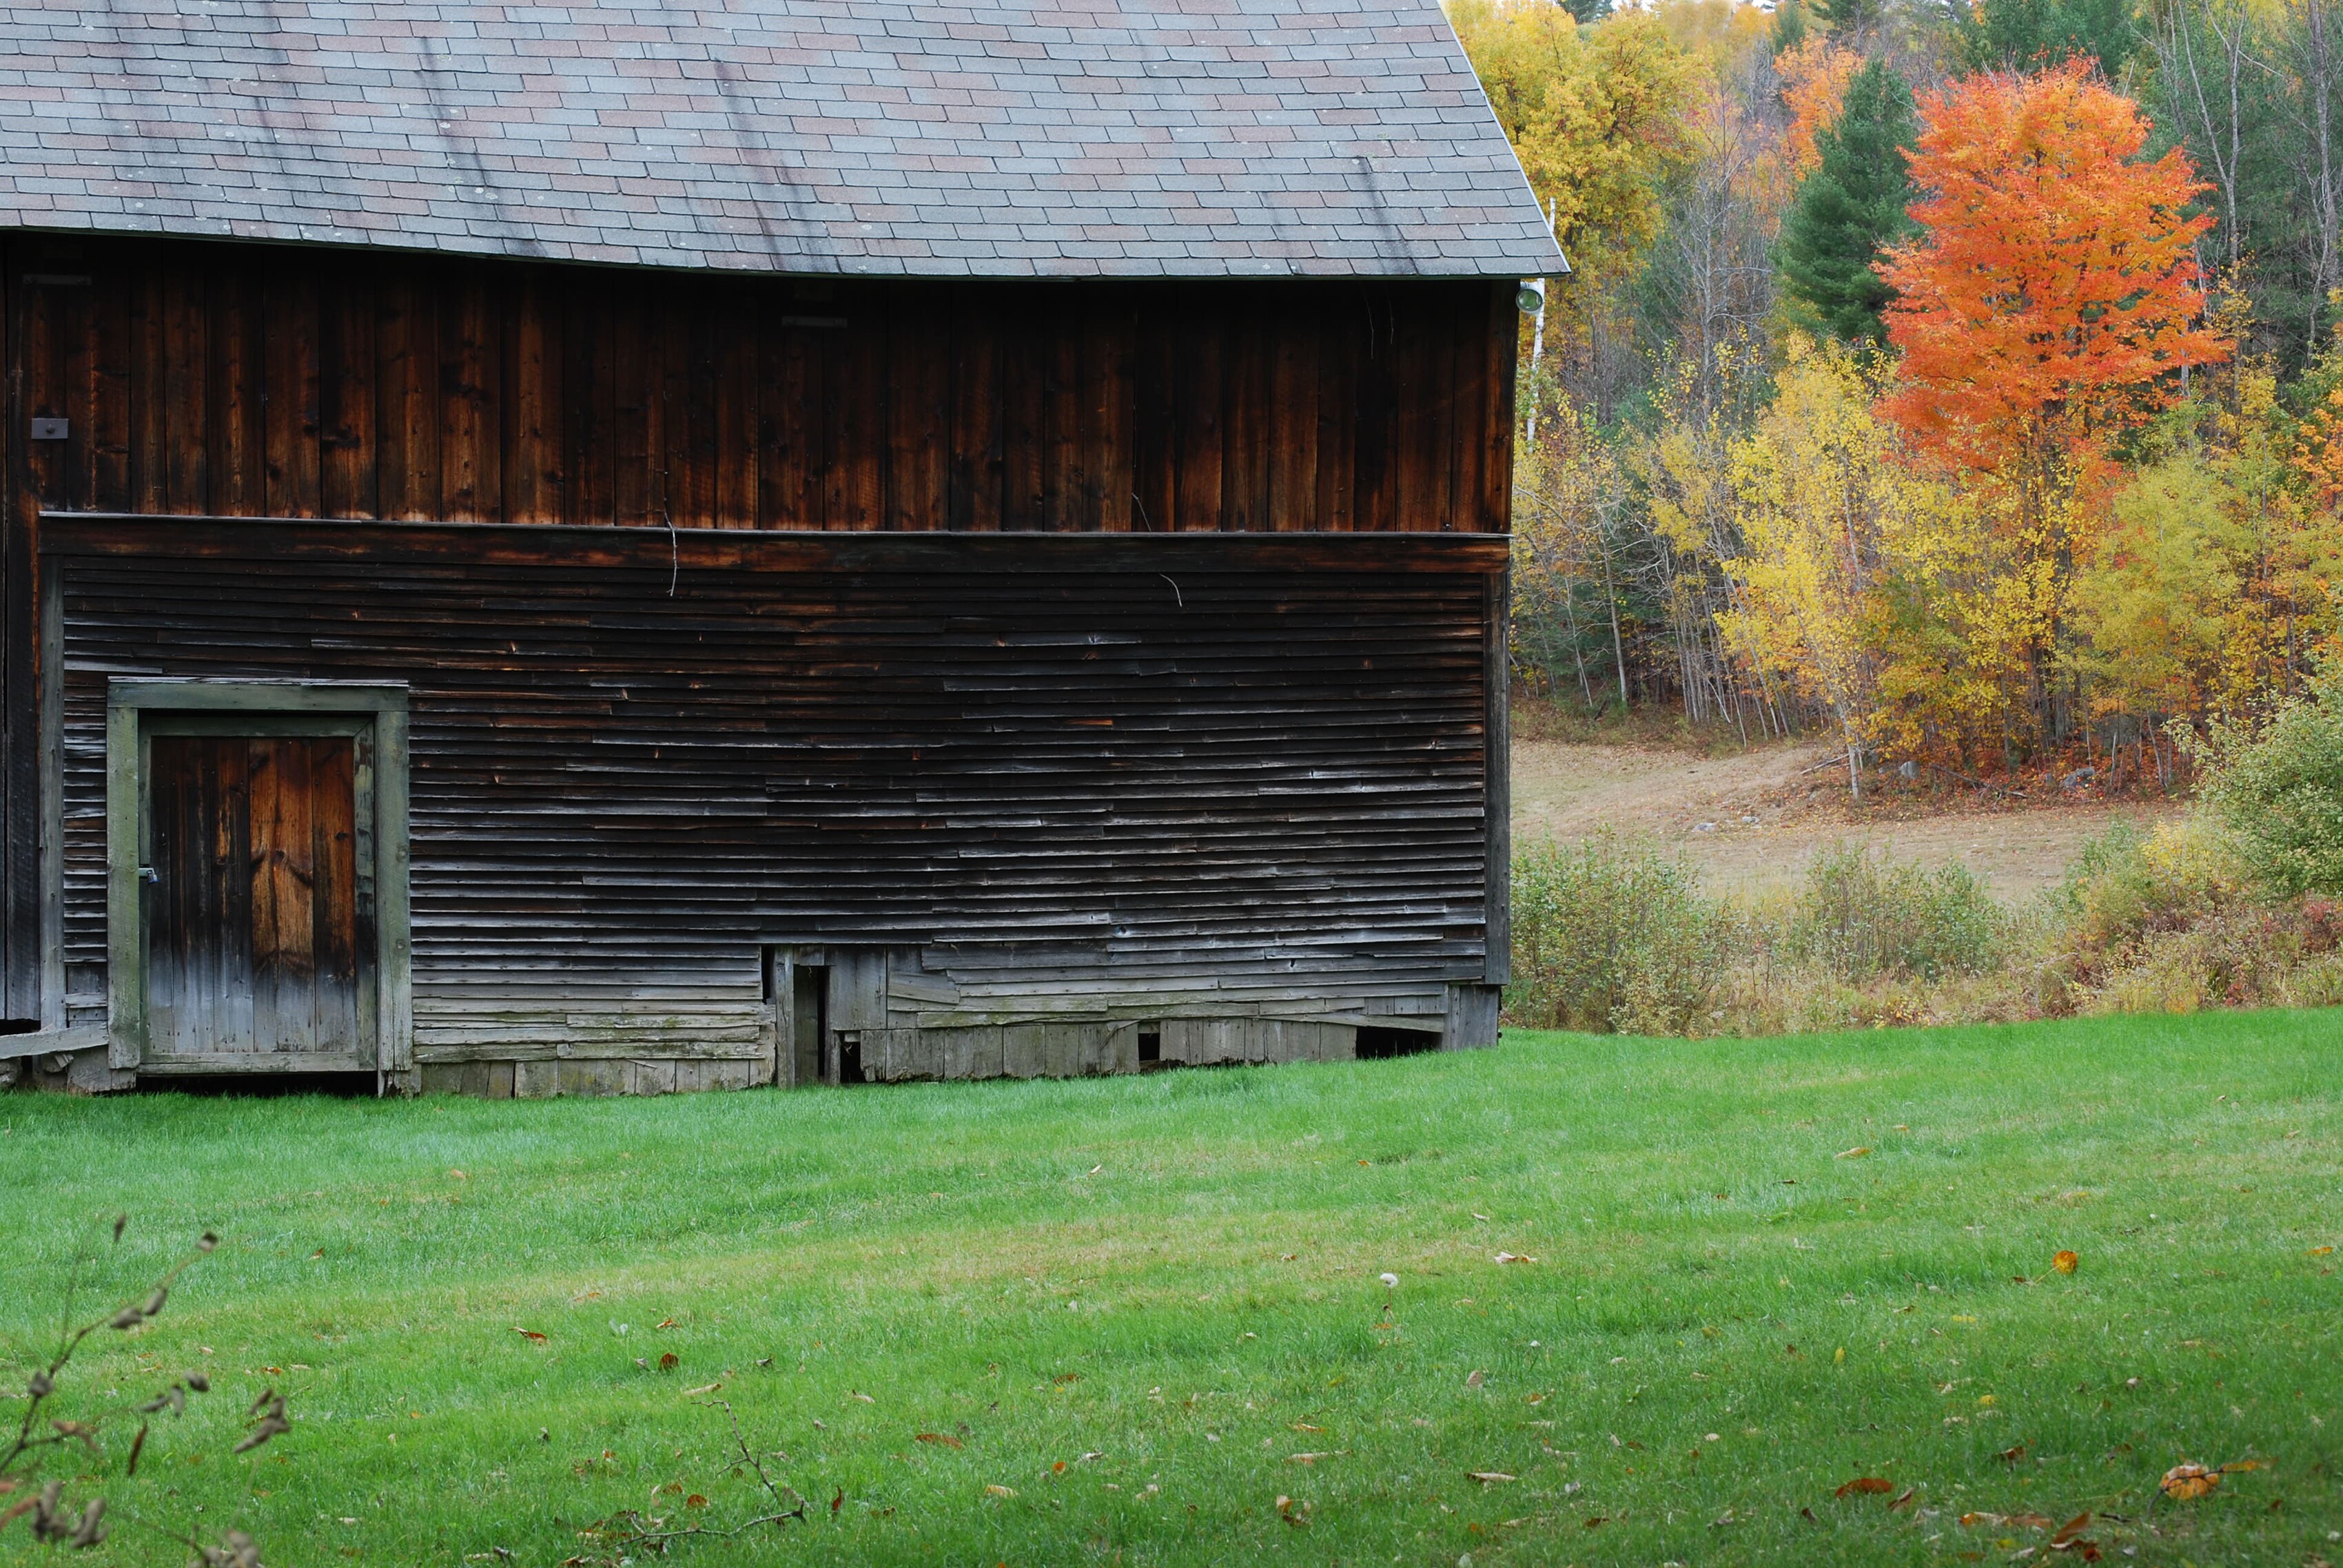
(1061, 779)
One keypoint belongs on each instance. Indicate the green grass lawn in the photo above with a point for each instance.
(1141, 1310)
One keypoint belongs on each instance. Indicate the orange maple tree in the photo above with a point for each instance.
(2053, 291)
(1814, 78)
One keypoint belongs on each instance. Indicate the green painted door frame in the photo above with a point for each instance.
(375, 715)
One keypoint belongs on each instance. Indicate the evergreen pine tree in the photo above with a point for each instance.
(2027, 35)
(1851, 21)
(1789, 26)
(1850, 208)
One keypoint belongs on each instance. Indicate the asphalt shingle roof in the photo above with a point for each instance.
(964, 138)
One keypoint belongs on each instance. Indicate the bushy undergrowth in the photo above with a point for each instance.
(2278, 792)
(1861, 918)
(2239, 904)
(1611, 936)
(1616, 935)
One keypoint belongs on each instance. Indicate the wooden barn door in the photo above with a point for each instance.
(255, 862)
(256, 923)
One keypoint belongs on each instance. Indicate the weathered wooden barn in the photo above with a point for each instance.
(623, 546)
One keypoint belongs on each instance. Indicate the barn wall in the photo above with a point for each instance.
(1043, 790)
(239, 380)
(235, 380)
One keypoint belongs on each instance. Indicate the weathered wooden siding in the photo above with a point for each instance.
(302, 382)
(1059, 785)
(224, 379)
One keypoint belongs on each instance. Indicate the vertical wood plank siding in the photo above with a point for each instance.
(290, 382)
(1129, 780)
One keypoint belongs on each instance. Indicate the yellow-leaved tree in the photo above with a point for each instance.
(2214, 581)
(1596, 113)
(1824, 509)
(1890, 596)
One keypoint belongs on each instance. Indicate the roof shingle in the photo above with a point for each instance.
(1083, 137)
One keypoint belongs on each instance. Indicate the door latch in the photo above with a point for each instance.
(149, 874)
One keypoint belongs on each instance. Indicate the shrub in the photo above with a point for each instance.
(2243, 958)
(2126, 885)
(1861, 918)
(2165, 922)
(2281, 793)
(1611, 934)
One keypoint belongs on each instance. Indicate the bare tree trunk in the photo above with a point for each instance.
(2215, 107)
(2319, 66)
(1618, 647)
(1577, 641)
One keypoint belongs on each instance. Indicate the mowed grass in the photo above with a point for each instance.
(1144, 1309)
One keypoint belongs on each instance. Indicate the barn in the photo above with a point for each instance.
(615, 546)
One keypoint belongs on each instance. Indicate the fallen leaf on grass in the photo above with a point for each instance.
(2012, 1455)
(2235, 1465)
(1001, 1492)
(1515, 1258)
(2320, 1251)
(1490, 1477)
(531, 1335)
(2065, 1262)
(865, 1398)
(1475, 1379)
(669, 1360)
(1904, 1500)
(2072, 1528)
(1857, 1152)
(1598, 1519)
(1305, 1426)
(2183, 1483)
(944, 1438)
(1864, 1484)
(695, 1500)
(1314, 1458)
(703, 1388)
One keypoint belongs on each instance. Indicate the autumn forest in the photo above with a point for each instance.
(1957, 383)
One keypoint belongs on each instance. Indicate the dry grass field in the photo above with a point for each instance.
(1751, 821)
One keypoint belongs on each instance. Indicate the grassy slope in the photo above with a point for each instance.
(947, 1251)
